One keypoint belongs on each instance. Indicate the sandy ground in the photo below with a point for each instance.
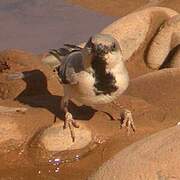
(153, 98)
(121, 7)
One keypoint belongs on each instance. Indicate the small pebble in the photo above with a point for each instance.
(178, 124)
(39, 172)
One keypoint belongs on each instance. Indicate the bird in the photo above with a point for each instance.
(91, 75)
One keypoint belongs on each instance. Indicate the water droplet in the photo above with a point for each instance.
(57, 170)
(66, 160)
(57, 160)
(77, 157)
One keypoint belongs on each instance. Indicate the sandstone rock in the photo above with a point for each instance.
(56, 143)
(160, 89)
(155, 157)
(164, 86)
(175, 61)
(165, 41)
(55, 138)
(5, 109)
(137, 29)
(10, 136)
(39, 80)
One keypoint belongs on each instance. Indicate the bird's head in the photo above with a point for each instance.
(102, 44)
(104, 47)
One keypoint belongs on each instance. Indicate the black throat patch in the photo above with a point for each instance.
(104, 82)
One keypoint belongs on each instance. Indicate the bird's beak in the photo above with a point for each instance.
(100, 50)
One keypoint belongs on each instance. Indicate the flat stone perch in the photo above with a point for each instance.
(55, 138)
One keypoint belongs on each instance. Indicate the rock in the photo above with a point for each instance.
(55, 138)
(154, 157)
(56, 142)
(160, 89)
(165, 41)
(39, 79)
(175, 61)
(137, 29)
(10, 135)
(5, 109)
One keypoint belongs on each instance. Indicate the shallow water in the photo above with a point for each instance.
(38, 25)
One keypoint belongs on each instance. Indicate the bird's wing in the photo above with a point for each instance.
(72, 64)
(55, 57)
(59, 52)
(73, 47)
(64, 51)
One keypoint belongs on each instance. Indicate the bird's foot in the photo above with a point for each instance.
(127, 121)
(71, 123)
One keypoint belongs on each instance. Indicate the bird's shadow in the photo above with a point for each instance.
(36, 94)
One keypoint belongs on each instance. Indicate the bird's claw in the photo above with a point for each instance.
(127, 121)
(70, 122)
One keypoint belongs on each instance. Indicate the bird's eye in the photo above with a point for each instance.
(113, 47)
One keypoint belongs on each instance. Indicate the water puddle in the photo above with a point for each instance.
(40, 156)
(29, 164)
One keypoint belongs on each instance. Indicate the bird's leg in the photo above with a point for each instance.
(69, 121)
(127, 121)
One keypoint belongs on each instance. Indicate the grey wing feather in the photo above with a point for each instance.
(64, 51)
(73, 63)
(72, 46)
